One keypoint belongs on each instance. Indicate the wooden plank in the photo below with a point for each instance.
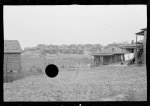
(4, 67)
(13, 58)
(5, 64)
(144, 49)
(12, 65)
(12, 54)
(110, 59)
(136, 59)
(13, 61)
(10, 76)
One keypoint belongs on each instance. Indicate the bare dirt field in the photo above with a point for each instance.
(105, 83)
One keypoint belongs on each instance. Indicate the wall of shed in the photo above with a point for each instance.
(11, 62)
(98, 60)
(106, 59)
(113, 59)
(118, 58)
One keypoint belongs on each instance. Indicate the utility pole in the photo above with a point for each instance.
(144, 50)
(136, 59)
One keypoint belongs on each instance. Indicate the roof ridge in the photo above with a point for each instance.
(12, 46)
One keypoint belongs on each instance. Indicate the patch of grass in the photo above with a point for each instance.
(130, 94)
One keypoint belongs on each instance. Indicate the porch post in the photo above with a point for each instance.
(110, 59)
(115, 58)
(102, 60)
(144, 48)
(94, 60)
(136, 52)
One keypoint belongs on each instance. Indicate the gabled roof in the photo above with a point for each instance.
(12, 46)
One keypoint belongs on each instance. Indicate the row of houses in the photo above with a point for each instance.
(114, 54)
(65, 51)
(73, 49)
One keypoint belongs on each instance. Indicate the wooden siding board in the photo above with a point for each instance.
(106, 59)
(118, 58)
(113, 59)
(145, 40)
(11, 62)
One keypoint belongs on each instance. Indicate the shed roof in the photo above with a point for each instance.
(113, 50)
(131, 46)
(140, 33)
(140, 41)
(144, 29)
(102, 54)
(12, 46)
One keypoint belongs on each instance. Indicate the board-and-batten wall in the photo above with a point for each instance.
(12, 66)
(108, 59)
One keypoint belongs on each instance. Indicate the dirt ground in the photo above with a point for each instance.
(105, 83)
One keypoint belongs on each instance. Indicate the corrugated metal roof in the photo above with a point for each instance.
(12, 46)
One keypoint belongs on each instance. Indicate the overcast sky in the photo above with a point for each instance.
(74, 24)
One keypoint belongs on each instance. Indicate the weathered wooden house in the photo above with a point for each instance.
(131, 47)
(12, 60)
(138, 46)
(109, 55)
(142, 33)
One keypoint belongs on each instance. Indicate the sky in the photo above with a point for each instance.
(73, 24)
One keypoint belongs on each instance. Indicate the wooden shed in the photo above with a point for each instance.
(11, 60)
(109, 55)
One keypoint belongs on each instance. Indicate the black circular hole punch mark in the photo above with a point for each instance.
(51, 70)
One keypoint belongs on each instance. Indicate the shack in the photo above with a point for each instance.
(112, 54)
(11, 60)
